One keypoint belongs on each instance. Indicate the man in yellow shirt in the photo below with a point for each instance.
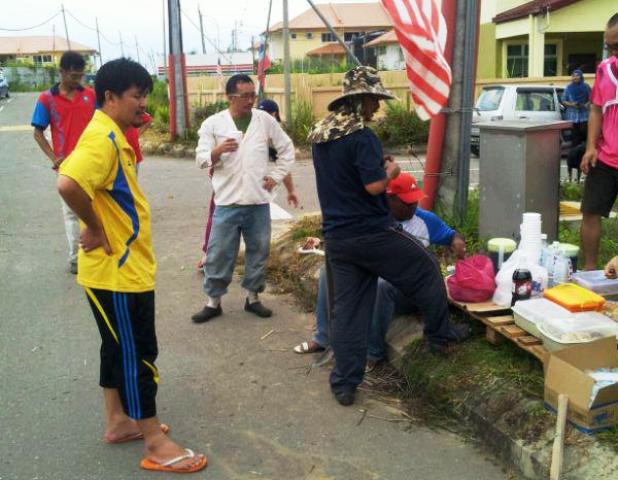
(116, 265)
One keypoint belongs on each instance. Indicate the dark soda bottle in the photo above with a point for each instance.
(522, 285)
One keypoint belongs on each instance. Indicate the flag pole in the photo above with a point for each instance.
(332, 31)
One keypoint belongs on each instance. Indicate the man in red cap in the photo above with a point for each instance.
(403, 195)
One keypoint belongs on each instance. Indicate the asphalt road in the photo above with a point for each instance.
(229, 388)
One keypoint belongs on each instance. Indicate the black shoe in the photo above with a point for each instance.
(207, 313)
(257, 308)
(462, 332)
(345, 398)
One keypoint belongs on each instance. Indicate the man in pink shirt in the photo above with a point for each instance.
(600, 162)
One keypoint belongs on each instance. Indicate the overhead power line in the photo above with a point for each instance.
(32, 28)
(206, 37)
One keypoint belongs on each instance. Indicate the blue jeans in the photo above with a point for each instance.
(228, 224)
(389, 300)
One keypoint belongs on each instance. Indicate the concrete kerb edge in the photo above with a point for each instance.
(532, 460)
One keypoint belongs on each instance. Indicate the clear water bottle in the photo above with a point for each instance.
(553, 251)
(544, 250)
(562, 268)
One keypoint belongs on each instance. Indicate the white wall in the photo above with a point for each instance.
(391, 59)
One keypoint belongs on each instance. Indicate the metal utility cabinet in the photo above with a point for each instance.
(519, 172)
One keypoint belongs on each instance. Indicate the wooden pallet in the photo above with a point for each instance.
(500, 325)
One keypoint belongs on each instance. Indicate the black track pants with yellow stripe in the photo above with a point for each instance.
(126, 322)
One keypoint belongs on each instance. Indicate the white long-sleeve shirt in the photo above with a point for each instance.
(238, 177)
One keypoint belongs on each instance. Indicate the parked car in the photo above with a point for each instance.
(4, 86)
(517, 102)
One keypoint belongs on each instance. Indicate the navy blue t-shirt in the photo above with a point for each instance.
(342, 169)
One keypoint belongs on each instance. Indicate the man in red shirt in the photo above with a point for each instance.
(66, 108)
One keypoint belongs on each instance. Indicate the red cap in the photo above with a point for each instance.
(405, 187)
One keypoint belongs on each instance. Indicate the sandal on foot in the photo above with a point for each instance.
(171, 465)
(306, 348)
(135, 436)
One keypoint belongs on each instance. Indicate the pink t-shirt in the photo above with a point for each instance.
(605, 95)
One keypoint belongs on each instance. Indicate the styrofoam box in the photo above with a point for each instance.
(529, 313)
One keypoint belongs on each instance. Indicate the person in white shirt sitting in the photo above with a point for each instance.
(234, 143)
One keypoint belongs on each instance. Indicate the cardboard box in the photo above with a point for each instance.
(565, 373)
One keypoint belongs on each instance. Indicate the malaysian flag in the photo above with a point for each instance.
(421, 31)
(263, 64)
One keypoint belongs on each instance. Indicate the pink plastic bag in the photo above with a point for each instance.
(473, 281)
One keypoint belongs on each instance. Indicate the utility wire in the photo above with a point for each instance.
(206, 37)
(83, 24)
(32, 28)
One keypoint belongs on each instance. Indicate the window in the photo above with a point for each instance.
(293, 36)
(42, 58)
(328, 37)
(400, 56)
(535, 100)
(584, 61)
(550, 65)
(517, 61)
(309, 35)
(490, 99)
(349, 36)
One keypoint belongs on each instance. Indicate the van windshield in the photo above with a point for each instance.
(490, 99)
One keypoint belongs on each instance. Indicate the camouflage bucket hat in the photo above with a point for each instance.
(361, 80)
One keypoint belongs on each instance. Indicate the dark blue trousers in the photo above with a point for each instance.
(353, 267)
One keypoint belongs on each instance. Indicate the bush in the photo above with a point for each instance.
(401, 125)
(161, 118)
(302, 121)
(312, 65)
(571, 191)
(202, 113)
(158, 98)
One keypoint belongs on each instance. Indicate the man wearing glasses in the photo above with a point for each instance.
(66, 108)
(233, 145)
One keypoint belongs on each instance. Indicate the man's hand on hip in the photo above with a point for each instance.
(90, 239)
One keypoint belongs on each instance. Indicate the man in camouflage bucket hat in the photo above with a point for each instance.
(358, 83)
(363, 241)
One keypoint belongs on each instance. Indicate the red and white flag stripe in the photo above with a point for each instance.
(421, 31)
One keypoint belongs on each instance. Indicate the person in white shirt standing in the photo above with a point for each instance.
(234, 143)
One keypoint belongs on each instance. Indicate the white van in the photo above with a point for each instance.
(516, 102)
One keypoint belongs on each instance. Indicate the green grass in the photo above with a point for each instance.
(608, 248)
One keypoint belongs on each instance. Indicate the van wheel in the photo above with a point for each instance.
(475, 150)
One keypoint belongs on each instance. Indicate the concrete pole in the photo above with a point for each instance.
(179, 117)
(536, 48)
(467, 103)
(66, 30)
(199, 13)
(96, 22)
(450, 152)
(287, 80)
(164, 41)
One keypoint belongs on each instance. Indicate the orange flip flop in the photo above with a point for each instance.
(136, 436)
(171, 466)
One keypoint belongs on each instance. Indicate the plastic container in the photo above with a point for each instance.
(530, 313)
(500, 249)
(574, 298)
(562, 268)
(596, 281)
(571, 251)
(580, 328)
